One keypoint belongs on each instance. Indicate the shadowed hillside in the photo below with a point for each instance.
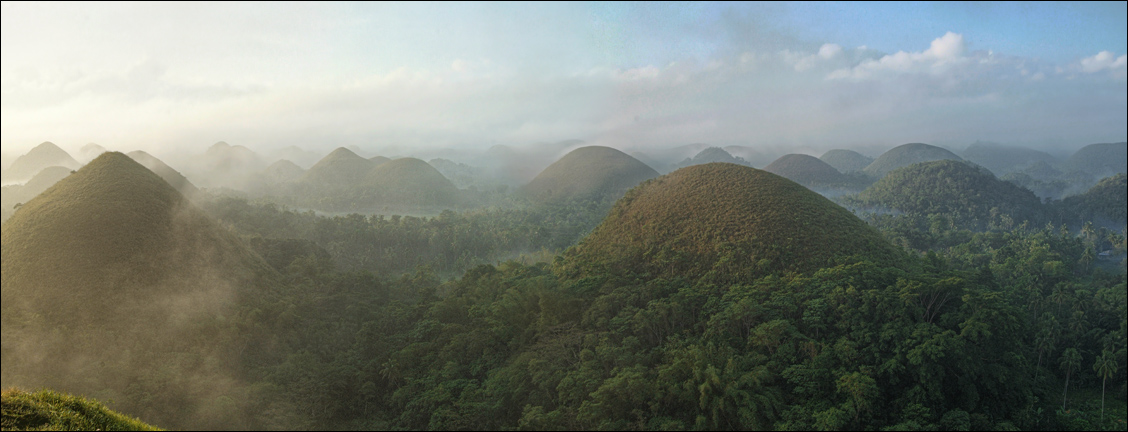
(807, 171)
(1100, 160)
(1002, 160)
(43, 156)
(1105, 202)
(588, 173)
(906, 155)
(748, 221)
(165, 172)
(142, 281)
(16, 195)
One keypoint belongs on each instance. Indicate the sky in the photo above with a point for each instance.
(155, 76)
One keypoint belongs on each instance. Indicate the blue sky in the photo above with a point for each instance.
(809, 76)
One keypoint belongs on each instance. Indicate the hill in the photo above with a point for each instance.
(47, 410)
(340, 169)
(90, 151)
(379, 160)
(713, 155)
(1100, 160)
(17, 195)
(806, 170)
(141, 280)
(846, 161)
(406, 181)
(1003, 160)
(970, 195)
(906, 155)
(735, 221)
(283, 171)
(1105, 202)
(165, 172)
(41, 157)
(588, 173)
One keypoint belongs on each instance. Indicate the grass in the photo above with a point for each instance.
(51, 411)
(588, 173)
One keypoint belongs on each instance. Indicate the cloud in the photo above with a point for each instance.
(1103, 61)
(944, 52)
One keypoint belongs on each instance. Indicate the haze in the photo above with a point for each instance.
(802, 77)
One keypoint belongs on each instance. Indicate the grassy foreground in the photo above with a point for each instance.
(50, 411)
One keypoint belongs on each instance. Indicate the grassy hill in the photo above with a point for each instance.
(735, 220)
(712, 155)
(283, 171)
(340, 169)
(846, 160)
(970, 194)
(114, 282)
(50, 411)
(379, 160)
(165, 172)
(43, 156)
(588, 173)
(806, 170)
(1100, 160)
(906, 155)
(406, 181)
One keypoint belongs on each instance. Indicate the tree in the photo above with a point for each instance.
(1105, 367)
(1070, 361)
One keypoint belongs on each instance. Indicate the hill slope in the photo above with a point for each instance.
(846, 160)
(1100, 160)
(1105, 202)
(41, 157)
(407, 181)
(906, 155)
(588, 173)
(141, 280)
(166, 173)
(340, 169)
(806, 170)
(53, 411)
(1002, 160)
(712, 155)
(735, 220)
(969, 194)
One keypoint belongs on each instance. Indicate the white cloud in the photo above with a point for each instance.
(1103, 61)
(827, 53)
(944, 52)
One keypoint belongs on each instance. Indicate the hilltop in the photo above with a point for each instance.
(41, 157)
(749, 222)
(407, 181)
(906, 155)
(846, 161)
(971, 195)
(283, 171)
(91, 151)
(806, 170)
(140, 277)
(48, 410)
(166, 173)
(340, 169)
(588, 173)
(712, 155)
(1100, 160)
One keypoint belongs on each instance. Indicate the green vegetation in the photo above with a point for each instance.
(1105, 202)
(906, 155)
(846, 161)
(588, 173)
(50, 411)
(1100, 160)
(340, 169)
(970, 196)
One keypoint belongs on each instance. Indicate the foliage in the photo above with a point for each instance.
(47, 410)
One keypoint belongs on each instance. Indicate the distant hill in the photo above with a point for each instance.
(1003, 160)
(16, 195)
(588, 173)
(48, 410)
(340, 169)
(735, 220)
(713, 155)
(406, 181)
(283, 171)
(846, 161)
(1100, 160)
(906, 155)
(379, 160)
(969, 194)
(41, 157)
(806, 170)
(90, 151)
(143, 282)
(165, 172)
(1104, 203)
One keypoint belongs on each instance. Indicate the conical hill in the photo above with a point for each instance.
(964, 191)
(906, 155)
(340, 169)
(165, 172)
(408, 181)
(114, 282)
(588, 173)
(17, 195)
(1100, 160)
(806, 170)
(283, 171)
(731, 221)
(846, 161)
(43, 156)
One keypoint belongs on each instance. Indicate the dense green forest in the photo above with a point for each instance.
(717, 297)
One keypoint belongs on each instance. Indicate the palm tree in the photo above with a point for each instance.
(1105, 367)
(1070, 361)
